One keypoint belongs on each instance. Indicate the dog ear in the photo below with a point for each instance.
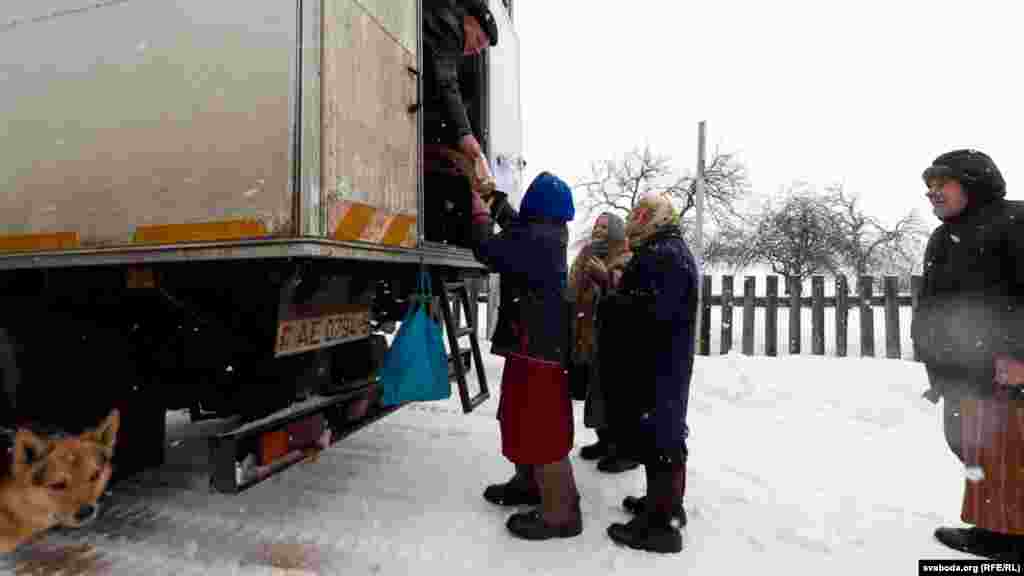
(105, 433)
(29, 449)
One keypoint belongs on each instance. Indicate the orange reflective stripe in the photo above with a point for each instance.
(33, 242)
(200, 232)
(354, 220)
(399, 231)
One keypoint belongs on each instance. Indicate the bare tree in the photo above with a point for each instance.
(616, 186)
(794, 236)
(866, 245)
(905, 260)
(725, 182)
(726, 245)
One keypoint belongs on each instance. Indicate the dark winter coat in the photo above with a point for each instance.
(647, 348)
(531, 256)
(971, 302)
(445, 116)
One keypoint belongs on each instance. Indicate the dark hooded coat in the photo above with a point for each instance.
(971, 301)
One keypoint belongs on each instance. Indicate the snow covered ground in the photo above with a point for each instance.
(798, 465)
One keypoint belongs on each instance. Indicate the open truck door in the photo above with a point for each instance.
(505, 125)
(370, 123)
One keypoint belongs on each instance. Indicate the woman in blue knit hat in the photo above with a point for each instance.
(535, 410)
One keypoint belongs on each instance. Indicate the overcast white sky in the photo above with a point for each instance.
(864, 93)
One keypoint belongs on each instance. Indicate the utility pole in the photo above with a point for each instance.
(700, 228)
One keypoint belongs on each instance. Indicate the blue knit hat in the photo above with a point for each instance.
(548, 197)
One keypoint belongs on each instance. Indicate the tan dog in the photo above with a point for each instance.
(55, 482)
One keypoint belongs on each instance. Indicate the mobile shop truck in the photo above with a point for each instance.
(218, 207)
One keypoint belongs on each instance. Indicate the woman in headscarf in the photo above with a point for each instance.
(535, 411)
(650, 324)
(595, 272)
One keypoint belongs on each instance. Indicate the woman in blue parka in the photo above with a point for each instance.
(535, 410)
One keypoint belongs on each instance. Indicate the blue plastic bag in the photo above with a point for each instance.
(415, 367)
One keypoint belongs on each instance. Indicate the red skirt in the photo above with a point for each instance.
(535, 411)
(993, 439)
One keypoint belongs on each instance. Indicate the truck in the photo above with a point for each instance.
(218, 207)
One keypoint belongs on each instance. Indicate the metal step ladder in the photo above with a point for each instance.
(459, 358)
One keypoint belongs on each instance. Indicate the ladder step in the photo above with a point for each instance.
(456, 301)
(467, 363)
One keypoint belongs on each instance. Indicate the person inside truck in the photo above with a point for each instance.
(454, 31)
(534, 410)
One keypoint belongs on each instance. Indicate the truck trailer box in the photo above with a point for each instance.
(127, 125)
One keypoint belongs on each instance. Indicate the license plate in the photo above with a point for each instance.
(315, 332)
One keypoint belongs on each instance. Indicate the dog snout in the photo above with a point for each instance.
(86, 513)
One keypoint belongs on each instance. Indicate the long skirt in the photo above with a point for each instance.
(535, 411)
(993, 440)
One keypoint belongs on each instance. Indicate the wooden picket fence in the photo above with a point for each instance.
(843, 301)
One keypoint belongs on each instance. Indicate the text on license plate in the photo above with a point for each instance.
(305, 334)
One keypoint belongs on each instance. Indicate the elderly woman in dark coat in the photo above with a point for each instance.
(594, 275)
(649, 324)
(969, 332)
(535, 410)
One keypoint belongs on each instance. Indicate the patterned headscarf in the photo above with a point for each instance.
(650, 215)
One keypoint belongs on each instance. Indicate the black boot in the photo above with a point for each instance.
(532, 526)
(612, 464)
(521, 490)
(981, 542)
(650, 535)
(599, 449)
(636, 505)
(594, 451)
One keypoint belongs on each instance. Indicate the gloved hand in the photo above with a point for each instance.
(502, 212)
(597, 271)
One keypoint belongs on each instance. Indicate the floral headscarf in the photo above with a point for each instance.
(650, 215)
